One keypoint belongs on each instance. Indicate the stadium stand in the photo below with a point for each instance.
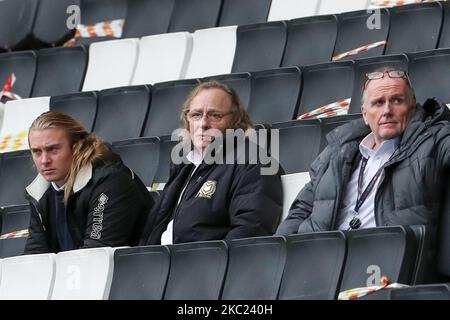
(166, 105)
(255, 268)
(208, 46)
(289, 9)
(141, 155)
(274, 95)
(81, 106)
(310, 40)
(15, 221)
(54, 67)
(259, 46)
(121, 112)
(323, 252)
(240, 12)
(28, 277)
(23, 66)
(140, 273)
(197, 270)
(191, 15)
(163, 57)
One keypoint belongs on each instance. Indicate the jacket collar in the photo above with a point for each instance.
(39, 186)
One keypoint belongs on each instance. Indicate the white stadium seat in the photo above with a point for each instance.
(333, 6)
(291, 9)
(292, 184)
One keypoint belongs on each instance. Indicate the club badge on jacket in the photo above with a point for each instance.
(207, 190)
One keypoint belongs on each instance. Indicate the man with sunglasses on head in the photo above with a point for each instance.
(384, 169)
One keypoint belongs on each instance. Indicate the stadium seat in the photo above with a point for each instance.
(81, 106)
(95, 11)
(314, 263)
(292, 184)
(376, 252)
(212, 52)
(50, 28)
(333, 6)
(17, 118)
(289, 9)
(331, 123)
(164, 163)
(147, 17)
(140, 273)
(140, 155)
(299, 144)
(15, 222)
(191, 15)
(310, 40)
(325, 84)
(427, 76)
(421, 22)
(16, 23)
(28, 277)
(259, 46)
(444, 39)
(83, 274)
(274, 95)
(255, 268)
(163, 57)
(60, 71)
(240, 12)
(23, 65)
(443, 244)
(197, 270)
(121, 112)
(363, 66)
(16, 173)
(353, 33)
(239, 82)
(423, 292)
(166, 105)
(111, 64)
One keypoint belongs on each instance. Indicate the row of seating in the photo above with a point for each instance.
(307, 266)
(44, 23)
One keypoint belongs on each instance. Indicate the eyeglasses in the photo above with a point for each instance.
(380, 74)
(213, 116)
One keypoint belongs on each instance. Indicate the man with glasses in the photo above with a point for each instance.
(214, 201)
(387, 168)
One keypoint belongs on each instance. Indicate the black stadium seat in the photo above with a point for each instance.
(444, 39)
(140, 155)
(363, 66)
(259, 46)
(414, 27)
(140, 273)
(426, 71)
(313, 267)
(23, 65)
(191, 15)
(14, 218)
(147, 17)
(166, 105)
(299, 144)
(274, 95)
(16, 23)
(121, 112)
(50, 27)
(324, 84)
(60, 71)
(255, 268)
(353, 32)
(81, 106)
(16, 173)
(423, 292)
(239, 82)
(376, 252)
(310, 40)
(239, 12)
(197, 270)
(165, 150)
(331, 123)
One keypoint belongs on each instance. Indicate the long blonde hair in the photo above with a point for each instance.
(86, 147)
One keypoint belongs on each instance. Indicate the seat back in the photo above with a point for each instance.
(289, 9)
(165, 160)
(332, 6)
(197, 270)
(191, 15)
(15, 222)
(292, 184)
(423, 292)
(255, 268)
(240, 12)
(23, 65)
(239, 82)
(140, 273)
